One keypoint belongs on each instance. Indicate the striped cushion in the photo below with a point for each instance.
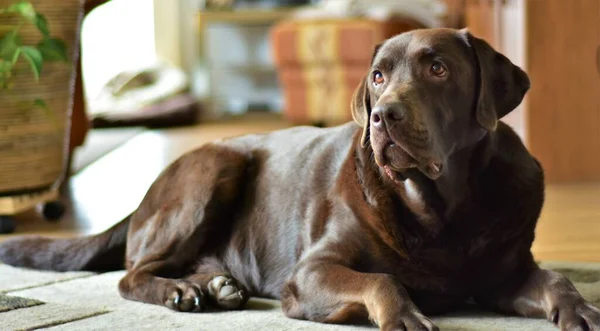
(321, 62)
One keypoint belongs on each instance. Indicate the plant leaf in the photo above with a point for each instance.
(34, 57)
(23, 8)
(41, 23)
(5, 73)
(40, 103)
(53, 49)
(9, 46)
(15, 56)
(5, 68)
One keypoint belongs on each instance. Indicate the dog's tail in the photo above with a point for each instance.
(101, 252)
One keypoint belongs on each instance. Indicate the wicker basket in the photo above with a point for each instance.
(33, 142)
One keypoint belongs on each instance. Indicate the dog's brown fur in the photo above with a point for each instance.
(429, 202)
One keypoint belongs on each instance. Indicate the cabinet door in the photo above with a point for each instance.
(456, 13)
(501, 23)
(480, 19)
(511, 42)
(563, 105)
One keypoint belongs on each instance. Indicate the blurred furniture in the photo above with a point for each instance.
(321, 62)
(558, 43)
(34, 156)
(456, 13)
(255, 4)
(43, 188)
(236, 67)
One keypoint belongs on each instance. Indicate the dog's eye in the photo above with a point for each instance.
(438, 69)
(378, 78)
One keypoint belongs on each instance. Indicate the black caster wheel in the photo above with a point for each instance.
(53, 211)
(7, 225)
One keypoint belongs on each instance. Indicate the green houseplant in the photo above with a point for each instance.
(12, 49)
(39, 43)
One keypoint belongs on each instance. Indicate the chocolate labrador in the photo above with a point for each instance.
(428, 202)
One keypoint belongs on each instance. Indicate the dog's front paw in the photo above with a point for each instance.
(226, 293)
(410, 321)
(580, 316)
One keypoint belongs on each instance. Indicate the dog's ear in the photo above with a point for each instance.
(361, 108)
(501, 85)
(361, 103)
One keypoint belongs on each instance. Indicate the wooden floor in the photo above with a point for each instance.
(109, 189)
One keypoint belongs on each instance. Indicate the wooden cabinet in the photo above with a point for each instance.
(557, 43)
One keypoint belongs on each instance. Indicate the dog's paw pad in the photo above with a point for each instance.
(185, 297)
(226, 292)
(576, 316)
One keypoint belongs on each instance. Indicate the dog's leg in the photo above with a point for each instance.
(332, 293)
(187, 213)
(150, 278)
(544, 293)
(177, 294)
(165, 245)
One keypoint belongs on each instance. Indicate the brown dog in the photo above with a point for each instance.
(429, 202)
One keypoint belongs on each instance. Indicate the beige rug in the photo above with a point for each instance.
(84, 301)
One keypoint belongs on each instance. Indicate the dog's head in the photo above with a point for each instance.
(430, 93)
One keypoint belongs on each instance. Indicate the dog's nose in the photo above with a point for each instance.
(386, 114)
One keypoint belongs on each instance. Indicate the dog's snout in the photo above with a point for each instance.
(386, 114)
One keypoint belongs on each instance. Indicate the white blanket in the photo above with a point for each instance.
(430, 13)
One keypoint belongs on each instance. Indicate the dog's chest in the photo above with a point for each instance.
(447, 263)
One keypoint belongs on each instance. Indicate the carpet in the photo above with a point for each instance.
(9, 303)
(85, 301)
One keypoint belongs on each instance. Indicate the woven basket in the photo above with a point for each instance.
(33, 142)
